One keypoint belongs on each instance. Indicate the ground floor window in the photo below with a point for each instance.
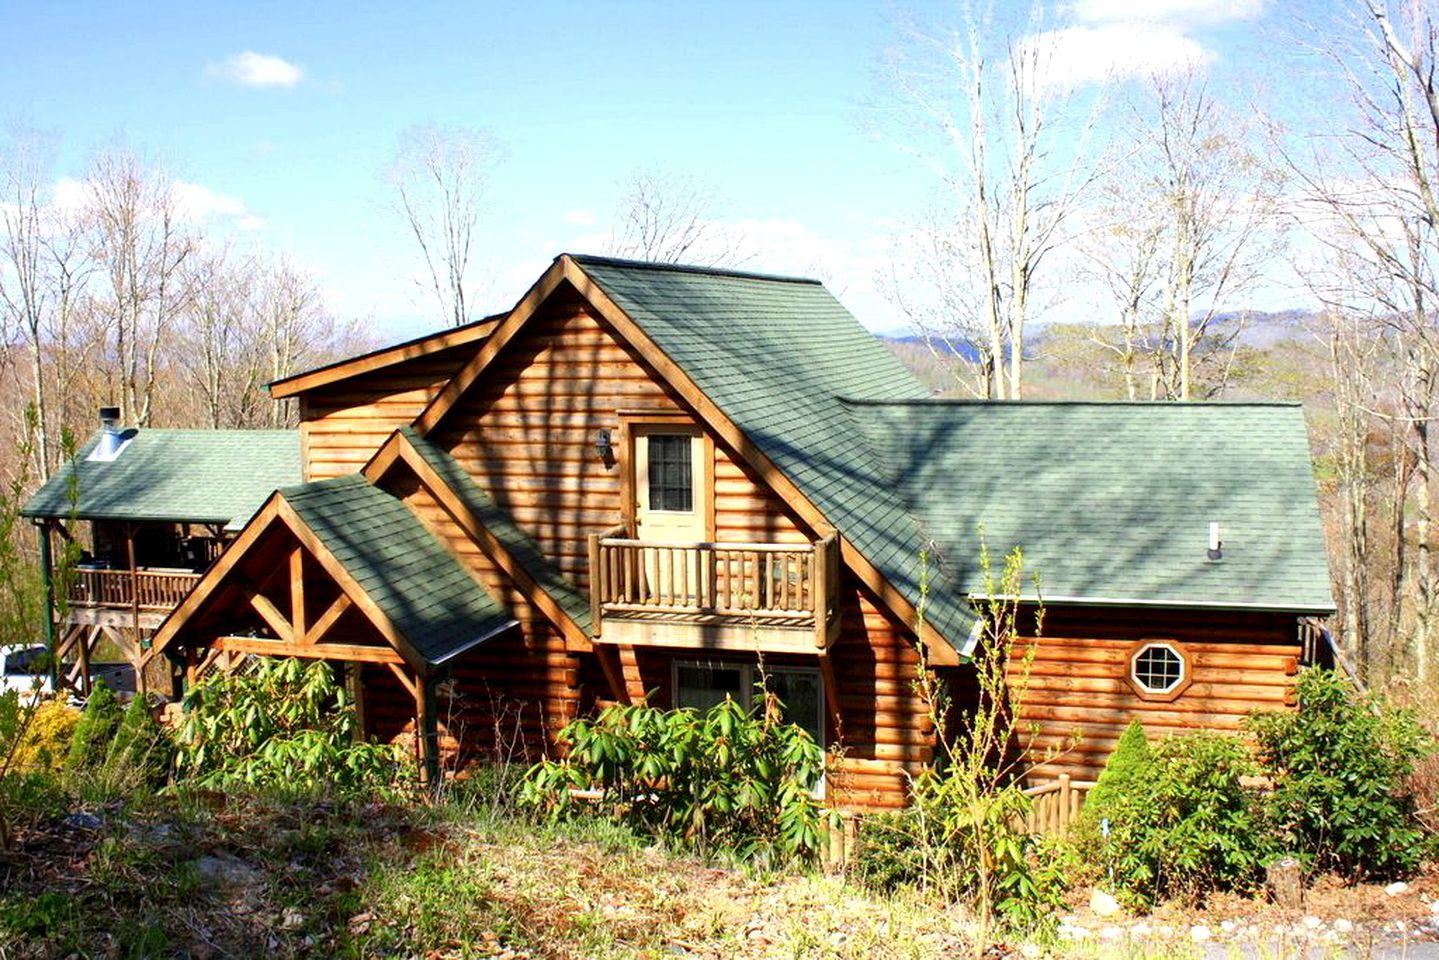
(701, 685)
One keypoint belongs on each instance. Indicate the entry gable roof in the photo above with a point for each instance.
(1111, 502)
(418, 585)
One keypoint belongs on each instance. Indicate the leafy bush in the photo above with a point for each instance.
(1339, 765)
(1181, 823)
(96, 729)
(725, 779)
(282, 725)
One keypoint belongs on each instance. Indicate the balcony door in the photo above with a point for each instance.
(669, 473)
(669, 494)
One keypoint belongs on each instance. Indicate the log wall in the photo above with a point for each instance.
(344, 423)
(527, 431)
(1080, 697)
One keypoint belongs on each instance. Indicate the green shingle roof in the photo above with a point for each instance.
(414, 580)
(519, 544)
(201, 476)
(1113, 501)
(776, 354)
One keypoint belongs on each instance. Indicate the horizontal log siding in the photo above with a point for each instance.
(343, 424)
(886, 734)
(527, 434)
(1078, 686)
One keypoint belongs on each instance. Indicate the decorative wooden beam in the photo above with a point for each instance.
(315, 651)
(297, 594)
(327, 619)
(609, 664)
(411, 686)
(272, 617)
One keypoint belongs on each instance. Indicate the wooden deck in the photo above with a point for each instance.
(146, 589)
(776, 597)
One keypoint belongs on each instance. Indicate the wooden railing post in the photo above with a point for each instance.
(819, 590)
(597, 585)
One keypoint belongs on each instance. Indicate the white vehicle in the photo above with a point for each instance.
(22, 667)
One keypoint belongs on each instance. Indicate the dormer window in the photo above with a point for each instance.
(1159, 669)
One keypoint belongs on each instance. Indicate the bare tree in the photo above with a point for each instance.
(1189, 224)
(440, 175)
(43, 270)
(219, 337)
(667, 217)
(1373, 204)
(143, 243)
(1012, 162)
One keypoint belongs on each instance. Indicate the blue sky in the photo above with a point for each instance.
(766, 101)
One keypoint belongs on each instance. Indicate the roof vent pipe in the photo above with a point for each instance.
(1216, 546)
(110, 439)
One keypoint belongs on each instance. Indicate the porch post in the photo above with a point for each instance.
(47, 584)
(137, 653)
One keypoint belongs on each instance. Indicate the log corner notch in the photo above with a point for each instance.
(307, 577)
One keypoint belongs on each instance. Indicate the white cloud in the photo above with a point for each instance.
(1081, 55)
(251, 69)
(580, 218)
(1165, 11)
(198, 204)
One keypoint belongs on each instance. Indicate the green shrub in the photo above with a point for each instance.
(47, 740)
(1339, 765)
(96, 729)
(725, 779)
(1181, 823)
(142, 745)
(1124, 772)
(282, 725)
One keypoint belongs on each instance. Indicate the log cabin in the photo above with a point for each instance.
(150, 510)
(651, 480)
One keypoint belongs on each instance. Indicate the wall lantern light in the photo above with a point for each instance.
(604, 446)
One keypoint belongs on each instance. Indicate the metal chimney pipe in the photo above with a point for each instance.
(109, 445)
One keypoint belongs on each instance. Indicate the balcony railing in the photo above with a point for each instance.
(147, 589)
(763, 587)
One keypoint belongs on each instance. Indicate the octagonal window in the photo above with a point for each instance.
(1158, 669)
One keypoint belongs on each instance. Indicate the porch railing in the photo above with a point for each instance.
(1055, 805)
(767, 582)
(146, 589)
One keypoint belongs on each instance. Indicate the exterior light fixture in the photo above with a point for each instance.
(604, 447)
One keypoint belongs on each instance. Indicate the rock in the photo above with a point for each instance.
(1141, 930)
(1434, 907)
(225, 870)
(1110, 933)
(81, 820)
(1312, 923)
(1199, 933)
(292, 919)
(1228, 926)
(1344, 925)
(1397, 888)
(1103, 904)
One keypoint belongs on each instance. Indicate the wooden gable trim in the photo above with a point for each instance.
(399, 449)
(564, 268)
(504, 332)
(384, 357)
(214, 578)
(294, 639)
(347, 584)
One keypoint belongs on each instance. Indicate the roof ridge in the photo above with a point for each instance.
(1151, 404)
(583, 258)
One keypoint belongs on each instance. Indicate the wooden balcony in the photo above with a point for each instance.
(146, 595)
(774, 597)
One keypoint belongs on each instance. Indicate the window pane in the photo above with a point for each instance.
(671, 480)
(800, 692)
(702, 687)
(1158, 669)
